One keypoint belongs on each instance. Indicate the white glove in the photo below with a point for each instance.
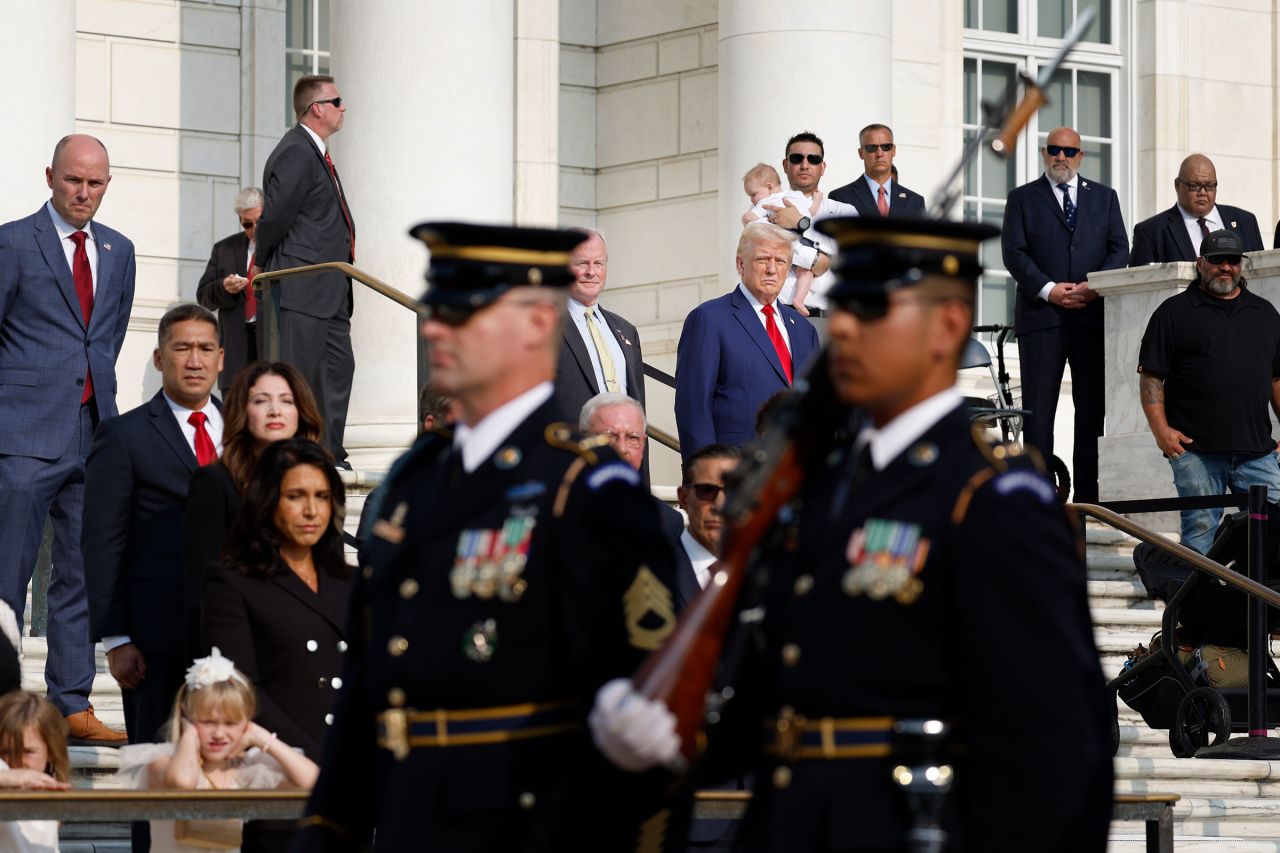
(633, 732)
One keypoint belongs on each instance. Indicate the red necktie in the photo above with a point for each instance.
(206, 453)
(775, 335)
(250, 301)
(883, 203)
(83, 277)
(342, 199)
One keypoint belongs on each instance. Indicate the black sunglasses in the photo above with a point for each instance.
(886, 147)
(1218, 260)
(797, 159)
(1068, 150)
(247, 224)
(706, 492)
(337, 102)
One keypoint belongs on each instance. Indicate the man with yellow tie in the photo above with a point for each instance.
(600, 352)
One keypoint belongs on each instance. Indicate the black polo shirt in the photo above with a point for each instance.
(1217, 358)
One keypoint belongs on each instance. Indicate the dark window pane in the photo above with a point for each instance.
(1053, 17)
(996, 299)
(322, 10)
(295, 65)
(1057, 112)
(1000, 16)
(1093, 103)
(298, 22)
(997, 174)
(970, 170)
(1097, 161)
(971, 14)
(997, 77)
(971, 113)
(1100, 30)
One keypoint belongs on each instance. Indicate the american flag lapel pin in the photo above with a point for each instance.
(106, 246)
(1084, 184)
(1233, 225)
(902, 195)
(624, 337)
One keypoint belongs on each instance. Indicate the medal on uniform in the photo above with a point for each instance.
(480, 641)
(491, 563)
(464, 561)
(885, 558)
(484, 582)
(516, 535)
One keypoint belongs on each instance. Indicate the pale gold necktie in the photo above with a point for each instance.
(606, 360)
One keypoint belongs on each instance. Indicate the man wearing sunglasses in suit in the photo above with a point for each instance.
(1057, 230)
(1175, 234)
(306, 220)
(877, 192)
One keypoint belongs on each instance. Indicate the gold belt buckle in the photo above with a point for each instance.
(395, 724)
(787, 730)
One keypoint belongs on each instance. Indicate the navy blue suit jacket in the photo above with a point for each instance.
(136, 483)
(1164, 238)
(45, 348)
(1039, 248)
(903, 202)
(726, 367)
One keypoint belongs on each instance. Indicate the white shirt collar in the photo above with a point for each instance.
(212, 424)
(315, 137)
(699, 557)
(1073, 183)
(579, 311)
(756, 304)
(875, 187)
(64, 228)
(888, 442)
(1211, 218)
(477, 443)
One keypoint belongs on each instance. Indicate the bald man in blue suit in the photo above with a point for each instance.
(727, 362)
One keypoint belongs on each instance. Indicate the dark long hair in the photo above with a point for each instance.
(239, 447)
(253, 546)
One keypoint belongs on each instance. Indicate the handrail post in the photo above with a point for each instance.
(269, 318)
(1257, 625)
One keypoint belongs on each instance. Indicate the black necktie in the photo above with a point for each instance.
(1068, 207)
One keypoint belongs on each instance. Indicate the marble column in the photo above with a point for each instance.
(771, 87)
(429, 131)
(38, 43)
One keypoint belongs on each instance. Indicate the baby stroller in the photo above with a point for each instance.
(1000, 409)
(1193, 677)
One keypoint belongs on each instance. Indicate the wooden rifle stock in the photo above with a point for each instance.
(682, 670)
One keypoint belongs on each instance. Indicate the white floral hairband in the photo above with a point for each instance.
(211, 670)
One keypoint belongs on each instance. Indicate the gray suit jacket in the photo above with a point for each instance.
(45, 347)
(303, 223)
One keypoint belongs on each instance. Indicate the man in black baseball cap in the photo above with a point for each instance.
(514, 567)
(1209, 362)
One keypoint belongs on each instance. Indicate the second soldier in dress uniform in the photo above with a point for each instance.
(514, 568)
(921, 574)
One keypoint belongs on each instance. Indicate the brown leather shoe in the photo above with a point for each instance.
(87, 730)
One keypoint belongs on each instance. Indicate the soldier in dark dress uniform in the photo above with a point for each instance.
(515, 566)
(921, 574)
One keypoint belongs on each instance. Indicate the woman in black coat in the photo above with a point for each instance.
(277, 602)
(267, 402)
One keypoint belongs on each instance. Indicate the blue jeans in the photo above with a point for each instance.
(1211, 474)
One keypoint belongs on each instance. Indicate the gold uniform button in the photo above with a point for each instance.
(397, 646)
(408, 588)
(368, 572)
(804, 583)
(395, 697)
(528, 800)
(323, 682)
(790, 654)
(781, 777)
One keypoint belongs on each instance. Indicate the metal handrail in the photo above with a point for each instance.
(1219, 571)
(271, 328)
(95, 804)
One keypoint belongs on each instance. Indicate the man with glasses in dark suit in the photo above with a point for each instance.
(224, 288)
(877, 192)
(306, 220)
(1057, 230)
(1175, 234)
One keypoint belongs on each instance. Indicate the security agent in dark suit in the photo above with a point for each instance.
(224, 288)
(136, 480)
(877, 192)
(1050, 246)
(515, 567)
(1175, 234)
(306, 220)
(901, 563)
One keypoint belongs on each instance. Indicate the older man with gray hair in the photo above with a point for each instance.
(224, 288)
(739, 349)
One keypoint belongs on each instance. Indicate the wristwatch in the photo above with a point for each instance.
(803, 225)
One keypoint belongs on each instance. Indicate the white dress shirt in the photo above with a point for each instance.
(213, 425)
(1213, 219)
(65, 229)
(758, 307)
(699, 557)
(1073, 188)
(875, 189)
(889, 441)
(315, 137)
(578, 313)
(477, 443)
(807, 256)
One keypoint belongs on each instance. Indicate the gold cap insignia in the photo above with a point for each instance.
(508, 458)
(648, 600)
(950, 265)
